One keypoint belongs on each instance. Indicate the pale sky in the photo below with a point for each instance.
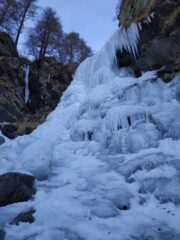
(92, 19)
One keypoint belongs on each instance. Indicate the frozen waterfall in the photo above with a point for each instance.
(26, 79)
(106, 161)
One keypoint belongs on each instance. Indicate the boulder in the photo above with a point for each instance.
(24, 217)
(9, 130)
(15, 187)
(2, 140)
(178, 89)
(156, 37)
(2, 234)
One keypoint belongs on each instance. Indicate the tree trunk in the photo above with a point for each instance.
(22, 23)
(43, 44)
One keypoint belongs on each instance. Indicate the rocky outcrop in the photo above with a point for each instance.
(12, 87)
(44, 80)
(47, 81)
(159, 46)
(15, 187)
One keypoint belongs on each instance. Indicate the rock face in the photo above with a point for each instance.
(47, 81)
(135, 11)
(159, 46)
(15, 187)
(11, 90)
(7, 48)
(44, 81)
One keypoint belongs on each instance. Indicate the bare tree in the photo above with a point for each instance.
(42, 39)
(14, 13)
(85, 51)
(27, 9)
(73, 49)
(4, 7)
(8, 9)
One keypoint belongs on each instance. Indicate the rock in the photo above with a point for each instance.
(2, 235)
(24, 217)
(2, 140)
(15, 187)
(135, 11)
(177, 89)
(156, 38)
(9, 130)
(47, 81)
(11, 90)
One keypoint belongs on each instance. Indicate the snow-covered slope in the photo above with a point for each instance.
(107, 160)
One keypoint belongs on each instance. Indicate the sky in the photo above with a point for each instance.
(92, 19)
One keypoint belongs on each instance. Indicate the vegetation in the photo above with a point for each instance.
(46, 37)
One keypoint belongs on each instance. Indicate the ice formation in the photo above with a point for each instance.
(26, 79)
(107, 160)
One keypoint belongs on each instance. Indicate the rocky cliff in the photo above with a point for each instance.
(28, 90)
(159, 46)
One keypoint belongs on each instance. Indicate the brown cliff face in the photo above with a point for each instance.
(159, 46)
(135, 11)
(47, 81)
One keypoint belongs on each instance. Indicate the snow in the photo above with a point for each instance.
(106, 161)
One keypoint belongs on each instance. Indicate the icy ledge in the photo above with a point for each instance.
(93, 70)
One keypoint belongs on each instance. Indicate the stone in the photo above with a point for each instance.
(9, 130)
(24, 217)
(2, 140)
(15, 187)
(178, 89)
(2, 234)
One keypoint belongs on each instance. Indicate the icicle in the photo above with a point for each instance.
(140, 26)
(124, 147)
(97, 69)
(152, 15)
(149, 19)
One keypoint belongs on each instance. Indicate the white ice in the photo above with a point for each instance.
(107, 160)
